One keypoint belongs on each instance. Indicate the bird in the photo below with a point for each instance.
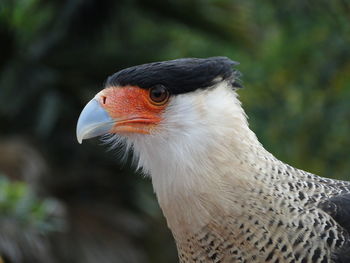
(224, 196)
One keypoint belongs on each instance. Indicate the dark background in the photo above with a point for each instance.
(65, 202)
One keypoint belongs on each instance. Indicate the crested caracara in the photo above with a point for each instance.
(224, 196)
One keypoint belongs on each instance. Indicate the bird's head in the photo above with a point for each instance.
(179, 103)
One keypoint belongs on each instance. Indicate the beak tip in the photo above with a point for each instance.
(80, 135)
(80, 141)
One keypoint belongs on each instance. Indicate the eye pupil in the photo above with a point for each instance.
(159, 94)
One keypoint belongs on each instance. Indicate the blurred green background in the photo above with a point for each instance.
(65, 202)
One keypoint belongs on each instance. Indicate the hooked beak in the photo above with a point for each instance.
(93, 121)
(119, 110)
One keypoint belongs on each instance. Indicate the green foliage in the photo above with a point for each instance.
(19, 205)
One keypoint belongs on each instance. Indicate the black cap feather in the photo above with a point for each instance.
(179, 75)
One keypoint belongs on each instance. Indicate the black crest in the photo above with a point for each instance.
(179, 75)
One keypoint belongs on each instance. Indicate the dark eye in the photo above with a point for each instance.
(159, 95)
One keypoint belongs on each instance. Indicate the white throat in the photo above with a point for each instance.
(202, 133)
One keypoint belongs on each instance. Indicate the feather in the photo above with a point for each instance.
(338, 207)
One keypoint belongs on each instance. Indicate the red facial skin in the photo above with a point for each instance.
(132, 109)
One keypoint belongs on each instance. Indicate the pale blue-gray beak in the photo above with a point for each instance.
(93, 121)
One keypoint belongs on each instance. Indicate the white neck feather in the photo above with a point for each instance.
(203, 137)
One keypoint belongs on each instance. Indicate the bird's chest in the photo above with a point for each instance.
(233, 240)
(227, 240)
(244, 222)
(260, 235)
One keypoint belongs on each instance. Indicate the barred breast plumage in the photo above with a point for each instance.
(298, 217)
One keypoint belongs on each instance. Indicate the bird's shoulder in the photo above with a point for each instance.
(338, 207)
